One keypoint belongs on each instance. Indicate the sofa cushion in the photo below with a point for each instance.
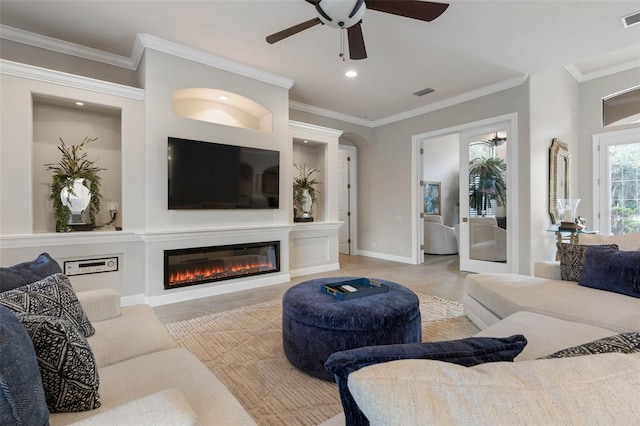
(580, 391)
(164, 408)
(467, 352)
(625, 343)
(545, 334)
(630, 241)
(613, 270)
(22, 399)
(66, 363)
(51, 296)
(573, 259)
(174, 368)
(28, 272)
(506, 294)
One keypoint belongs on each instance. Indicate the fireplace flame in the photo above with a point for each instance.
(229, 268)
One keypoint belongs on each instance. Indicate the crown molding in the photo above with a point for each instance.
(299, 106)
(465, 97)
(455, 100)
(32, 72)
(146, 41)
(48, 43)
(316, 130)
(580, 77)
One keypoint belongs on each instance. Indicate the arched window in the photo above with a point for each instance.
(621, 108)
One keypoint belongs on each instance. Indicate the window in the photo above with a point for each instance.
(617, 182)
(621, 108)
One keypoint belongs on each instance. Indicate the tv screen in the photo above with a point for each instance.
(205, 175)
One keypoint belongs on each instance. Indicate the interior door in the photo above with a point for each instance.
(485, 240)
(346, 205)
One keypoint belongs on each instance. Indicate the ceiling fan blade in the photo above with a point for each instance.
(313, 2)
(422, 10)
(293, 30)
(356, 42)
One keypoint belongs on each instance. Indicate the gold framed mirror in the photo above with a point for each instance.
(559, 173)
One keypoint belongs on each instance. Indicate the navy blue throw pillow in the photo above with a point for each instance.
(466, 352)
(28, 272)
(612, 270)
(22, 398)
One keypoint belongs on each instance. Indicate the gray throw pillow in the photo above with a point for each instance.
(573, 259)
(51, 296)
(28, 272)
(67, 366)
(22, 399)
(625, 343)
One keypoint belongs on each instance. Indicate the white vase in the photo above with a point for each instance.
(306, 203)
(76, 198)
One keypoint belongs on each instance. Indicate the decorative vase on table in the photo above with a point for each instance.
(77, 198)
(567, 212)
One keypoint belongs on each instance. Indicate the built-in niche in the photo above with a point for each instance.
(56, 118)
(311, 155)
(221, 107)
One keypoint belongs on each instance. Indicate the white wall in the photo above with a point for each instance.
(161, 76)
(590, 122)
(441, 164)
(384, 168)
(554, 114)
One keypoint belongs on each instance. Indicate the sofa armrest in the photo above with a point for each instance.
(549, 269)
(100, 304)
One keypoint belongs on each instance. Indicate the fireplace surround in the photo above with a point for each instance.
(200, 265)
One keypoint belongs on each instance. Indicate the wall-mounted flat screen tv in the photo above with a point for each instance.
(205, 175)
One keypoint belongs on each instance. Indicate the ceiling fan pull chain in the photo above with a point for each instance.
(342, 30)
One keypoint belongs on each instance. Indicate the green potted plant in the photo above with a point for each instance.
(304, 191)
(74, 165)
(487, 182)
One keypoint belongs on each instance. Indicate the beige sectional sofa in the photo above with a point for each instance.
(553, 315)
(145, 379)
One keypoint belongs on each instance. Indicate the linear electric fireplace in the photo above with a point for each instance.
(201, 265)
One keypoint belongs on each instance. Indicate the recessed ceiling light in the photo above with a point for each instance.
(79, 103)
(223, 98)
(306, 141)
(350, 73)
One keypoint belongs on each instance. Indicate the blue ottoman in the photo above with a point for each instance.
(315, 324)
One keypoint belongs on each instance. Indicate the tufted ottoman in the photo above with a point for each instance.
(315, 324)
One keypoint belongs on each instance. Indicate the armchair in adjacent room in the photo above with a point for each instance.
(439, 238)
(487, 241)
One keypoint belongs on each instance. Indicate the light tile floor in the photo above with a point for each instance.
(438, 276)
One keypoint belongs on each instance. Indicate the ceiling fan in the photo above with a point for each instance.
(348, 15)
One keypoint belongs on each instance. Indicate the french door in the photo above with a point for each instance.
(487, 198)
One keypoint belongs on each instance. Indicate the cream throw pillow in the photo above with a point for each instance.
(587, 390)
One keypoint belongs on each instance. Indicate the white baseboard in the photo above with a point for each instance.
(385, 256)
(196, 293)
(135, 299)
(315, 270)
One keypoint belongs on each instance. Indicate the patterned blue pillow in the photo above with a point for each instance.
(51, 296)
(66, 363)
(466, 352)
(28, 272)
(22, 399)
(624, 343)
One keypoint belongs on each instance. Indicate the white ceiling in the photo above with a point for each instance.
(473, 46)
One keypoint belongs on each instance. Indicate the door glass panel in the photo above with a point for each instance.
(624, 176)
(488, 197)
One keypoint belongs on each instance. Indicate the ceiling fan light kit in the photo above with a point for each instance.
(348, 15)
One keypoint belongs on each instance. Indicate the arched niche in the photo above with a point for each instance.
(221, 107)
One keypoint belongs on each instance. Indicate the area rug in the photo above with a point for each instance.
(243, 348)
